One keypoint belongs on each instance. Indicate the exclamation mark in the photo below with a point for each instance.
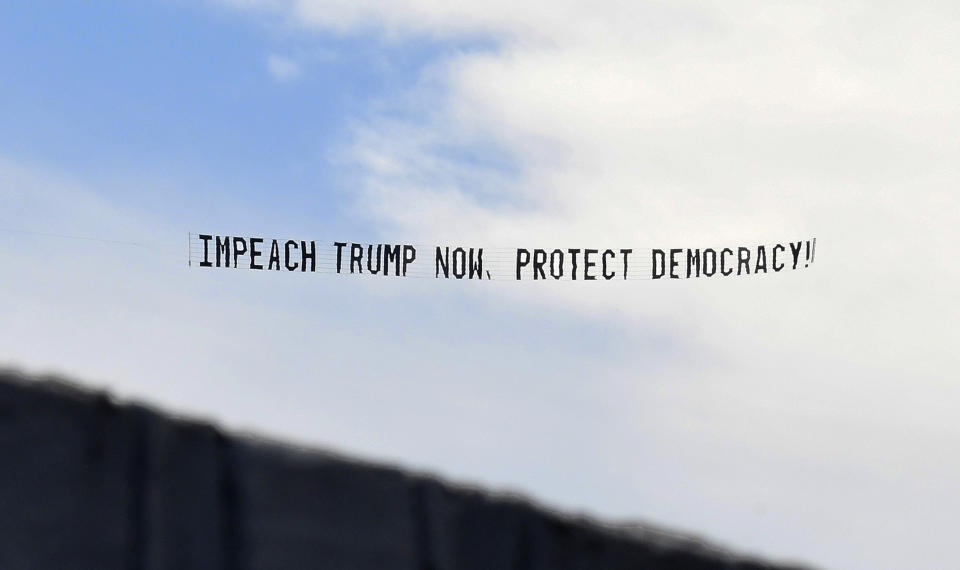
(807, 264)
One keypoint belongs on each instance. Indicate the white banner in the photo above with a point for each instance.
(490, 263)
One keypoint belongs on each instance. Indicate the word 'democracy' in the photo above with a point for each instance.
(496, 263)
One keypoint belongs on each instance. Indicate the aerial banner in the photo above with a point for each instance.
(459, 262)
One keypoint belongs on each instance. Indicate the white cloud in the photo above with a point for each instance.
(782, 412)
(283, 69)
(690, 122)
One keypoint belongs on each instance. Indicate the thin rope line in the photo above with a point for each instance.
(67, 236)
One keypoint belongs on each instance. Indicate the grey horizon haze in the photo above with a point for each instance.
(808, 415)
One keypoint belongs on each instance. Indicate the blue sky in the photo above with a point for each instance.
(772, 414)
(184, 92)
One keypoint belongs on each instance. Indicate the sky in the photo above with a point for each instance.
(807, 416)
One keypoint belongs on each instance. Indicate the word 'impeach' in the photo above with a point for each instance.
(486, 263)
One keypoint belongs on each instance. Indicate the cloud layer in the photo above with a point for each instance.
(809, 415)
(698, 123)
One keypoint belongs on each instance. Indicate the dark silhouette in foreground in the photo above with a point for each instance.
(87, 483)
